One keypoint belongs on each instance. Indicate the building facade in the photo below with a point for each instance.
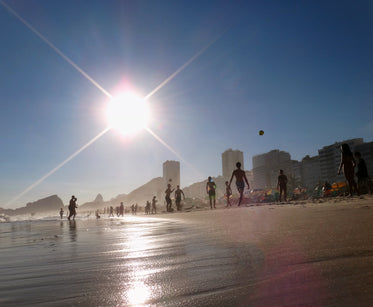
(266, 168)
(310, 171)
(229, 158)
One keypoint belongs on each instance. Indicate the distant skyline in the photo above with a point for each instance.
(300, 71)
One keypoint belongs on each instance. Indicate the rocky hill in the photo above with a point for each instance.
(49, 204)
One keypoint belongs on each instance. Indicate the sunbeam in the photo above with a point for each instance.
(58, 166)
(59, 52)
(82, 72)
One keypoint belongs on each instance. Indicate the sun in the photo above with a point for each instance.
(128, 113)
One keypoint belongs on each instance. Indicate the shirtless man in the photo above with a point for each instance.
(210, 190)
(240, 183)
(178, 193)
(168, 197)
(281, 183)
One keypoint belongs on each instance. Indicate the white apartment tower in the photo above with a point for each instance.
(229, 158)
(171, 173)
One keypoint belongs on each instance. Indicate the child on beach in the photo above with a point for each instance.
(210, 190)
(228, 193)
(168, 197)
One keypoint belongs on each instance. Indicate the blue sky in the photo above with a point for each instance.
(300, 70)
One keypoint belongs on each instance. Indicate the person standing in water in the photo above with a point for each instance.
(154, 208)
(168, 197)
(72, 208)
(348, 163)
(61, 213)
(178, 193)
(240, 180)
(211, 191)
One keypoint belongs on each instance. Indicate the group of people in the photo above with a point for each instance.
(241, 178)
(150, 207)
(178, 193)
(348, 162)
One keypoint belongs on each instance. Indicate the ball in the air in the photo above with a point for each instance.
(261, 132)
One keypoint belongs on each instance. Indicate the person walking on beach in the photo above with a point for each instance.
(228, 193)
(282, 182)
(72, 208)
(240, 180)
(61, 213)
(363, 179)
(178, 193)
(168, 197)
(154, 208)
(111, 211)
(211, 191)
(348, 163)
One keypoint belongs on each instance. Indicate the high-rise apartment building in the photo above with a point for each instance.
(330, 158)
(229, 158)
(310, 171)
(171, 173)
(266, 168)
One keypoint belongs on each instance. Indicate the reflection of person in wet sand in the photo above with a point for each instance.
(72, 207)
(348, 163)
(178, 193)
(154, 208)
(168, 197)
(240, 183)
(61, 213)
(210, 190)
(282, 182)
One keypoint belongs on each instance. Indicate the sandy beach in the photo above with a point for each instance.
(296, 254)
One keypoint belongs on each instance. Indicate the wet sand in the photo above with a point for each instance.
(308, 254)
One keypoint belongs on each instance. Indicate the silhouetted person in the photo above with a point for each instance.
(98, 214)
(147, 207)
(363, 179)
(168, 197)
(61, 213)
(154, 208)
(121, 209)
(282, 182)
(72, 207)
(211, 191)
(111, 211)
(240, 180)
(136, 207)
(228, 193)
(348, 162)
(178, 193)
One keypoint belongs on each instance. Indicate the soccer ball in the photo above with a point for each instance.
(261, 132)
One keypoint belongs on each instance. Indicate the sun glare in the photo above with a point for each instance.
(128, 113)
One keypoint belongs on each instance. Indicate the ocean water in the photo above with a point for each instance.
(130, 261)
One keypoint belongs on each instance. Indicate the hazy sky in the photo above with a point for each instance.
(300, 70)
